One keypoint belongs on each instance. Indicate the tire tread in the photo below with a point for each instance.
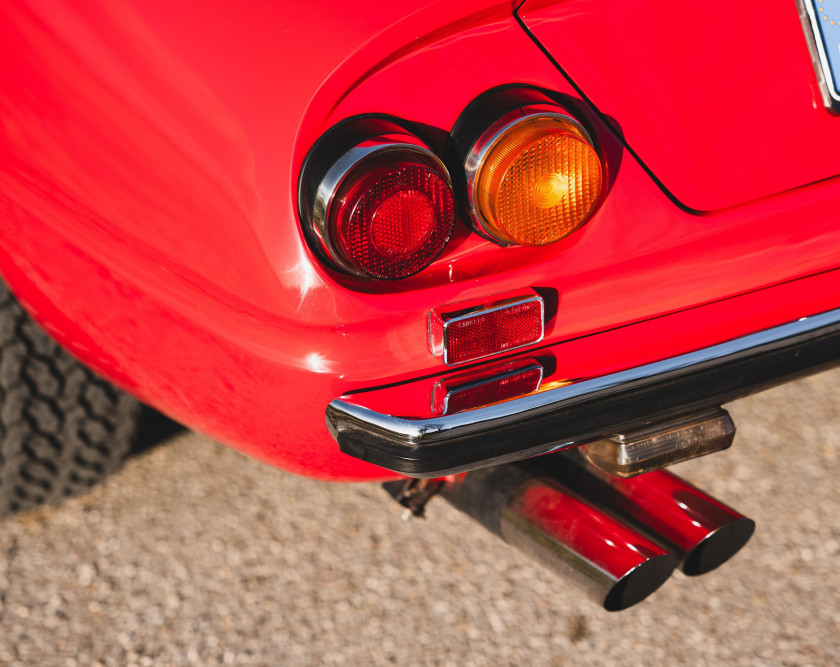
(62, 427)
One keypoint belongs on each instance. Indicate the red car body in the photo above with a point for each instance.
(151, 153)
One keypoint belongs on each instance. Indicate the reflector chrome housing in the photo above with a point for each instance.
(472, 330)
(533, 177)
(385, 209)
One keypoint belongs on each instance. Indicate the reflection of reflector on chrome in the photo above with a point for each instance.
(492, 385)
(701, 531)
(614, 563)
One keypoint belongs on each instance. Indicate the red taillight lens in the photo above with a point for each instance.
(466, 332)
(384, 210)
(392, 217)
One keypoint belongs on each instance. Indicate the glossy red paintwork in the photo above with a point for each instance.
(148, 168)
(719, 99)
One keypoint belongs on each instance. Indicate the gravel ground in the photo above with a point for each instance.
(195, 554)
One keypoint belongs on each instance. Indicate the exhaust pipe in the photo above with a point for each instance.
(614, 563)
(700, 530)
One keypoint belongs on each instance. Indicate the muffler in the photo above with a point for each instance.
(700, 530)
(616, 564)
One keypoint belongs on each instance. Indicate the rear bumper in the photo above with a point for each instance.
(586, 410)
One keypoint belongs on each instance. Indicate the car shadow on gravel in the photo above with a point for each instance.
(154, 429)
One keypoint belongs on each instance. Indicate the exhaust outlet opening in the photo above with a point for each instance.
(718, 546)
(640, 582)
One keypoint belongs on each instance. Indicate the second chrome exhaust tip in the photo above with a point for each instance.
(700, 530)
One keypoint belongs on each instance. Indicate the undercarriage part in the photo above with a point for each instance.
(615, 564)
(414, 494)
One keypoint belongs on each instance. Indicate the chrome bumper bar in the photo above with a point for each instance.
(588, 410)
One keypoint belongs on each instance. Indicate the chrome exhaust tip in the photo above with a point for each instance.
(614, 563)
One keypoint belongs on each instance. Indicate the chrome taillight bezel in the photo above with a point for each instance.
(343, 168)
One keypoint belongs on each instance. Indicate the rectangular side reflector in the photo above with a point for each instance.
(469, 331)
(474, 391)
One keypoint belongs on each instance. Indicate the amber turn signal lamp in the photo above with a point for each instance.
(533, 179)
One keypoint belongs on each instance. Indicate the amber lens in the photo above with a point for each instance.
(538, 182)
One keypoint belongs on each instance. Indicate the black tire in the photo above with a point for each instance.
(62, 428)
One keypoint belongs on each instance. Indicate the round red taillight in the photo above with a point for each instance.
(388, 214)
